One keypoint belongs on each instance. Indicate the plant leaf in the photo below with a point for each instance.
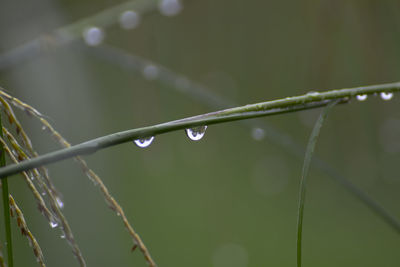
(303, 182)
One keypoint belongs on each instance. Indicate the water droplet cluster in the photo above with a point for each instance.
(129, 20)
(195, 134)
(384, 96)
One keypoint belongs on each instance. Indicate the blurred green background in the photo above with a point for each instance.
(229, 200)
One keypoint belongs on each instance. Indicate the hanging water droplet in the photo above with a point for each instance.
(258, 134)
(43, 193)
(150, 72)
(386, 96)
(196, 133)
(62, 236)
(53, 224)
(362, 97)
(60, 203)
(129, 20)
(170, 8)
(93, 36)
(144, 142)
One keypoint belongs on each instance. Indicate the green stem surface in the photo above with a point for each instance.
(285, 105)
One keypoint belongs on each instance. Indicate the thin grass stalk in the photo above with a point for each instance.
(6, 206)
(303, 182)
(41, 203)
(113, 204)
(280, 106)
(13, 120)
(37, 251)
(54, 204)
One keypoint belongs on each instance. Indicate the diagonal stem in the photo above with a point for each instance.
(285, 105)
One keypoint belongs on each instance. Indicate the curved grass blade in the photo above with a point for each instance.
(303, 183)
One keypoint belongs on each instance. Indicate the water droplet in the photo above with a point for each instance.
(60, 203)
(258, 134)
(93, 36)
(43, 193)
(129, 20)
(362, 97)
(196, 133)
(313, 93)
(386, 96)
(170, 8)
(150, 72)
(53, 224)
(144, 142)
(62, 236)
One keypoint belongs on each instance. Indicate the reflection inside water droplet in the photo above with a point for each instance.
(144, 142)
(196, 133)
(362, 97)
(386, 96)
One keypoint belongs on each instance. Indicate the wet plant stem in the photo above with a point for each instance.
(6, 206)
(289, 104)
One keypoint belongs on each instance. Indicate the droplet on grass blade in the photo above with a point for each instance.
(170, 8)
(129, 20)
(53, 224)
(144, 142)
(362, 97)
(93, 36)
(196, 133)
(60, 203)
(386, 96)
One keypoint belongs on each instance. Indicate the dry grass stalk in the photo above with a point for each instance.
(16, 212)
(41, 204)
(12, 119)
(113, 204)
(54, 203)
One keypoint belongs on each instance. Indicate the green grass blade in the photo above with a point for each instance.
(6, 206)
(303, 183)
